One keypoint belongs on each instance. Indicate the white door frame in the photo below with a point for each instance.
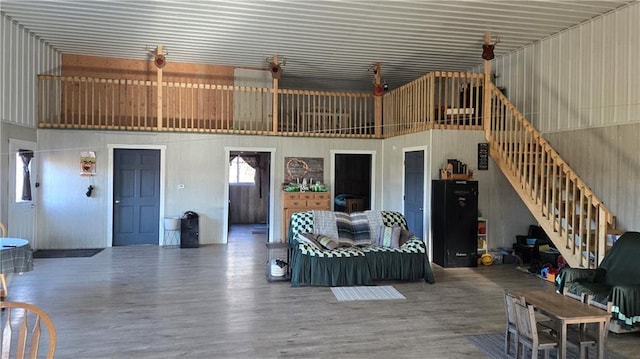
(111, 149)
(14, 146)
(272, 193)
(426, 196)
(332, 179)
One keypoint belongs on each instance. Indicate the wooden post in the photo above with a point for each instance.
(378, 103)
(601, 239)
(486, 113)
(275, 99)
(159, 72)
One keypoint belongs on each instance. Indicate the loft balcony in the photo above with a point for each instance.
(438, 100)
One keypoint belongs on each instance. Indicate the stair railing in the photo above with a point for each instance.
(571, 214)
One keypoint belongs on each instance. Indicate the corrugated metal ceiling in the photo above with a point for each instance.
(326, 44)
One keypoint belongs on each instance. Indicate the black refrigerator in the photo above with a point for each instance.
(454, 216)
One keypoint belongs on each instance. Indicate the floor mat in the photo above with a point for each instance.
(493, 346)
(385, 292)
(259, 229)
(66, 253)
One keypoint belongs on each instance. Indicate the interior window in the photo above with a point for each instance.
(23, 175)
(240, 172)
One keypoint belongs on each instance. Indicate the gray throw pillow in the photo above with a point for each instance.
(310, 239)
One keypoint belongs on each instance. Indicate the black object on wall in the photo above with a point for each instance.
(454, 215)
(189, 230)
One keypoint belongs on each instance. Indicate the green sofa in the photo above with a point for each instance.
(616, 279)
(355, 265)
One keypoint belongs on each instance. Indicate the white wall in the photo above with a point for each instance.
(497, 201)
(581, 89)
(607, 159)
(22, 57)
(69, 219)
(584, 77)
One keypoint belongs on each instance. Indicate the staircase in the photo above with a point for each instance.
(565, 207)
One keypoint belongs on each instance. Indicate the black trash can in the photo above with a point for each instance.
(189, 230)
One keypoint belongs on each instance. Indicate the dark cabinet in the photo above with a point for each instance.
(454, 216)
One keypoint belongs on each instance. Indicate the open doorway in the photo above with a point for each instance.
(249, 195)
(352, 181)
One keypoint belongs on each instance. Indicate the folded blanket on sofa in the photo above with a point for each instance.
(355, 229)
(324, 223)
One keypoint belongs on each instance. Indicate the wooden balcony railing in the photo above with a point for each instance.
(451, 100)
(319, 113)
(112, 104)
(436, 100)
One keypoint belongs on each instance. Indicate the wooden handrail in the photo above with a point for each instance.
(568, 210)
(528, 127)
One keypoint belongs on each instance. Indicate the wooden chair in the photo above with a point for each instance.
(22, 329)
(511, 328)
(3, 279)
(587, 336)
(581, 298)
(528, 334)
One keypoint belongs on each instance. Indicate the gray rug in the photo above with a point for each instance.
(385, 292)
(66, 253)
(493, 346)
(259, 229)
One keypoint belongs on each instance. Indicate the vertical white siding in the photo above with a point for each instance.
(581, 88)
(22, 57)
(497, 199)
(586, 76)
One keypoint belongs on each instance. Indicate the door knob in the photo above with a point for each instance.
(117, 201)
(421, 209)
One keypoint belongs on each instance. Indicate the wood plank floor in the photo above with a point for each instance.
(214, 302)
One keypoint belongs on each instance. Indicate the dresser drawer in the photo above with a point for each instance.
(322, 195)
(318, 203)
(307, 195)
(287, 196)
(295, 203)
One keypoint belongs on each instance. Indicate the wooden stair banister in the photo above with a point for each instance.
(565, 207)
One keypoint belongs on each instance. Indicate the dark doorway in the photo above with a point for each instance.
(136, 196)
(249, 176)
(352, 182)
(414, 191)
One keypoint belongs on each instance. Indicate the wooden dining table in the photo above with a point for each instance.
(567, 311)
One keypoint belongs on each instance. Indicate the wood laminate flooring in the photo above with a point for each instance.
(214, 302)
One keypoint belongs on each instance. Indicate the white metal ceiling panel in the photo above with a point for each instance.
(328, 44)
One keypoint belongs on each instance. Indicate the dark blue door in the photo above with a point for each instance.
(414, 191)
(136, 195)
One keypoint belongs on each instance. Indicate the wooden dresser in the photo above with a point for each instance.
(299, 202)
